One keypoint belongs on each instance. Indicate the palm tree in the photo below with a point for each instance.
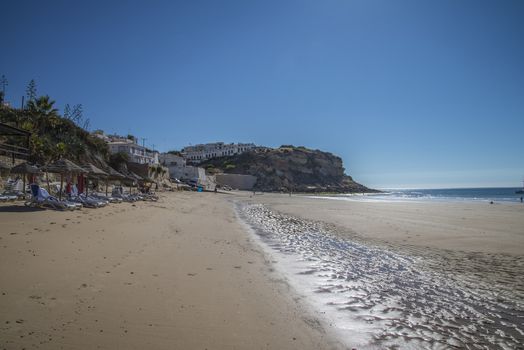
(43, 112)
(43, 106)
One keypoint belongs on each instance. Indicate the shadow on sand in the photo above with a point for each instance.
(14, 208)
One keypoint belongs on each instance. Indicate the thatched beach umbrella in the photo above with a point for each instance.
(113, 175)
(24, 169)
(63, 166)
(134, 178)
(94, 172)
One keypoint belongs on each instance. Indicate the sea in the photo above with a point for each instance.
(487, 194)
(381, 297)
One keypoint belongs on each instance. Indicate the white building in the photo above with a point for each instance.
(169, 159)
(137, 154)
(202, 152)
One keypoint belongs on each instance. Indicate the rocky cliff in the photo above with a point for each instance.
(290, 168)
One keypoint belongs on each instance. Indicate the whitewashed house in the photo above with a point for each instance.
(202, 152)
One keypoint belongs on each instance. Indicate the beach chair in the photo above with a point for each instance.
(42, 199)
(13, 190)
(77, 205)
(118, 192)
(5, 198)
(85, 200)
(108, 199)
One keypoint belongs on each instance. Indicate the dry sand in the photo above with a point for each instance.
(181, 273)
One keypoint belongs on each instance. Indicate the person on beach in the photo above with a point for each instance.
(521, 199)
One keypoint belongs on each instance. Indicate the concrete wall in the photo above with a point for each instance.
(194, 173)
(236, 181)
(187, 172)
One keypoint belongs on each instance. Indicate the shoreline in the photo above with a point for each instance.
(469, 226)
(369, 283)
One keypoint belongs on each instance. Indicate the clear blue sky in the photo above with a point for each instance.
(409, 93)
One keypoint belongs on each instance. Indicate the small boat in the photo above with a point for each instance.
(521, 191)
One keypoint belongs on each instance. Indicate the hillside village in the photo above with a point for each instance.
(183, 166)
(38, 134)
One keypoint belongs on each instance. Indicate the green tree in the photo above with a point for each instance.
(43, 106)
(60, 149)
(44, 114)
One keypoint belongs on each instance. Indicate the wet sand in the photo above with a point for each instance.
(403, 274)
(177, 274)
(467, 227)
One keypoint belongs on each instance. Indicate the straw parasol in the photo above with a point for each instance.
(24, 169)
(133, 177)
(112, 175)
(63, 166)
(94, 172)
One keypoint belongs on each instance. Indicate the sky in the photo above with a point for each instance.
(409, 93)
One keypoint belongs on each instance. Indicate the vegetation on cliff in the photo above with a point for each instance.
(290, 168)
(54, 135)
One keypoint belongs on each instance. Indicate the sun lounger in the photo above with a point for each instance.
(5, 198)
(118, 192)
(41, 198)
(85, 200)
(109, 199)
(13, 190)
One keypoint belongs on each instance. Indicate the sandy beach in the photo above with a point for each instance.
(177, 274)
(186, 273)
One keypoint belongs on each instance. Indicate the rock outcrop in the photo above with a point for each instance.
(290, 168)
